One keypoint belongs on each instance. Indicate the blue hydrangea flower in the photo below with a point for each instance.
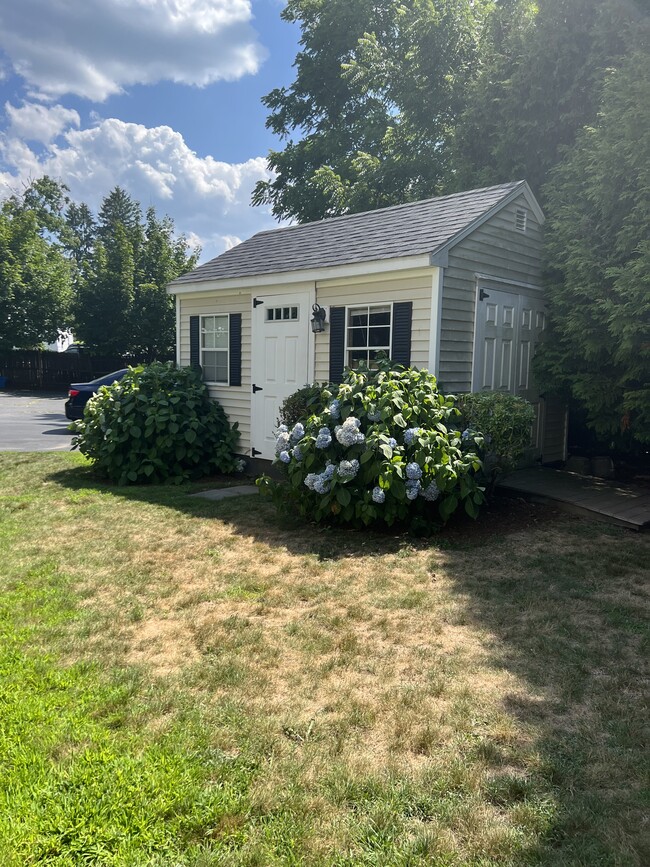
(324, 438)
(431, 492)
(410, 434)
(282, 442)
(298, 432)
(328, 472)
(392, 442)
(285, 457)
(413, 471)
(348, 433)
(297, 453)
(321, 485)
(283, 429)
(412, 489)
(310, 480)
(378, 495)
(465, 434)
(348, 469)
(334, 409)
(374, 416)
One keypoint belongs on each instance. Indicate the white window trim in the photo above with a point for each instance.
(349, 307)
(274, 307)
(226, 350)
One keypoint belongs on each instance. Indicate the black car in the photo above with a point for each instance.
(80, 393)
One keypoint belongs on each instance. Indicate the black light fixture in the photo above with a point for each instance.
(318, 319)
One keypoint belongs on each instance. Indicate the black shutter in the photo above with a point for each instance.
(234, 345)
(337, 343)
(195, 341)
(402, 318)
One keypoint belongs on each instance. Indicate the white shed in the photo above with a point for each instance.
(450, 284)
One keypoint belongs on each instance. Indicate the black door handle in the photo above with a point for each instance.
(257, 388)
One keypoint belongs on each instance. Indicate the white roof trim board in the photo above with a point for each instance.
(428, 227)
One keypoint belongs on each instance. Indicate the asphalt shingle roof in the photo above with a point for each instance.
(401, 230)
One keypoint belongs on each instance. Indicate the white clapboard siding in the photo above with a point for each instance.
(235, 400)
(413, 286)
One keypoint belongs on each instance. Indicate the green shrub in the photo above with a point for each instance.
(157, 424)
(301, 404)
(386, 447)
(505, 421)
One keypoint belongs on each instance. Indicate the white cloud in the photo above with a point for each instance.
(39, 123)
(95, 48)
(209, 200)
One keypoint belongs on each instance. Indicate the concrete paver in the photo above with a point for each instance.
(226, 493)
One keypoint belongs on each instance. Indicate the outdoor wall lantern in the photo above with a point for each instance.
(318, 319)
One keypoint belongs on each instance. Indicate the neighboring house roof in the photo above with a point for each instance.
(401, 230)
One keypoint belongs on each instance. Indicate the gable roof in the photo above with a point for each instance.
(401, 230)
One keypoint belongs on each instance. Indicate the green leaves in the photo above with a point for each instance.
(132, 436)
(342, 478)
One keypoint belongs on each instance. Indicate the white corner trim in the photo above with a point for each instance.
(311, 337)
(178, 331)
(435, 325)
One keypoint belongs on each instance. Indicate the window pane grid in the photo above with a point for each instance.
(214, 348)
(368, 333)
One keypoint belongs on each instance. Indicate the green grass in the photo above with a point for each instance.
(184, 682)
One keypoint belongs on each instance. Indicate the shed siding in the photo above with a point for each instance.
(235, 400)
(495, 248)
(382, 289)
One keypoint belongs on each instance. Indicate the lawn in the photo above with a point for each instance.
(184, 682)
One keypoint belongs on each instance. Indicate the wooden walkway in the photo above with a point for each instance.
(598, 499)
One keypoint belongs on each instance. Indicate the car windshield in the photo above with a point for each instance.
(110, 377)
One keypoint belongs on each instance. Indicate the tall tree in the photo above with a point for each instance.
(598, 244)
(34, 281)
(164, 257)
(104, 300)
(378, 85)
(121, 300)
(542, 68)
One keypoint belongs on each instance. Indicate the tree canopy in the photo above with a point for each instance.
(598, 251)
(34, 280)
(397, 100)
(368, 120)
(104, 276)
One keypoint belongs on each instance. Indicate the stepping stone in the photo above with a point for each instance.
(226, 493)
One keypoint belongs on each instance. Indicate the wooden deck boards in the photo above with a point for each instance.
(598, 499)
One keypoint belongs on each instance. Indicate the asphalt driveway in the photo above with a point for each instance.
(32, 421)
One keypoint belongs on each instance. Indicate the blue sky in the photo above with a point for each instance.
(159, 96)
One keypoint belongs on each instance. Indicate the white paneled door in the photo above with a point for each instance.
(508, 327)
(279, 361)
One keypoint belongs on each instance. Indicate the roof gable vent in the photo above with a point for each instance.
(521, 219)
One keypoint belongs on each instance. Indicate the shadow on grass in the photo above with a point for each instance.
(567, 615)
(561, 603)
(256, 515)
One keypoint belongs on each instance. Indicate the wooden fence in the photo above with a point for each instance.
(54, 371)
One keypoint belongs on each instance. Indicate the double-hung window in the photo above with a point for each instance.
(368, 333)
(214, 348)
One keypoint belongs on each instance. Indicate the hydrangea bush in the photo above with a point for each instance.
(157, 424)
(506, 422)
(387, 447)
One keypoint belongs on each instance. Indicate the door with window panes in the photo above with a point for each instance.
(368, 333)
(280, 361)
